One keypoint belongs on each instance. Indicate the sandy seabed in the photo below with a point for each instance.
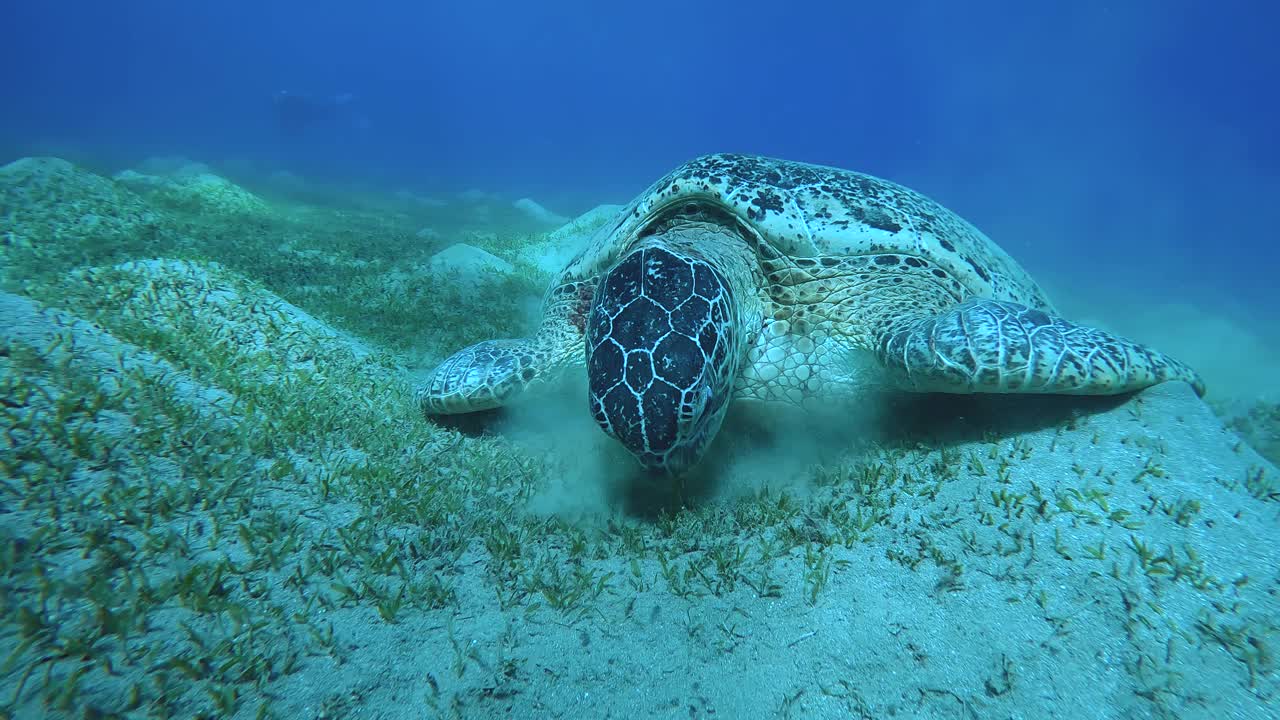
(219, 501)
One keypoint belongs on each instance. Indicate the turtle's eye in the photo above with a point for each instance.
(690, 208)
(696, 404)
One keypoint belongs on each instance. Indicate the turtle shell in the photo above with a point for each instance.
(808, 211)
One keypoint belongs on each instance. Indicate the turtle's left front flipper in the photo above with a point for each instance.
(494, 373)
(991, 346)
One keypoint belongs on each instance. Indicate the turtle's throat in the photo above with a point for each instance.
(664, 348)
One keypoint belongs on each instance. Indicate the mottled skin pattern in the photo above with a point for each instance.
(488, 374)
(741, 277)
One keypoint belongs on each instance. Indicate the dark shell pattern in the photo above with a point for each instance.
(810, 211)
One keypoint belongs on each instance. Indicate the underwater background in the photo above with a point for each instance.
(1096, 137)
(236, 235)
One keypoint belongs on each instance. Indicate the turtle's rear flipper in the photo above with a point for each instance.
(989, 346)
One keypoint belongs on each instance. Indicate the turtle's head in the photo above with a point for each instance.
(662, 355)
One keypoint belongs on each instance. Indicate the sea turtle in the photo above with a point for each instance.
(746, 277)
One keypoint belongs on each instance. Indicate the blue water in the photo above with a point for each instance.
(1068, 131)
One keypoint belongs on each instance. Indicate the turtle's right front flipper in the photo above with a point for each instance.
(990, 346)
(492, 373)
(480, 377)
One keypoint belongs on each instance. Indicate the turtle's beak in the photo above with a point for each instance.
(660, 342)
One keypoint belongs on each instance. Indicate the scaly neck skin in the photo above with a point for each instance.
(829, 317)
(858, 297)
